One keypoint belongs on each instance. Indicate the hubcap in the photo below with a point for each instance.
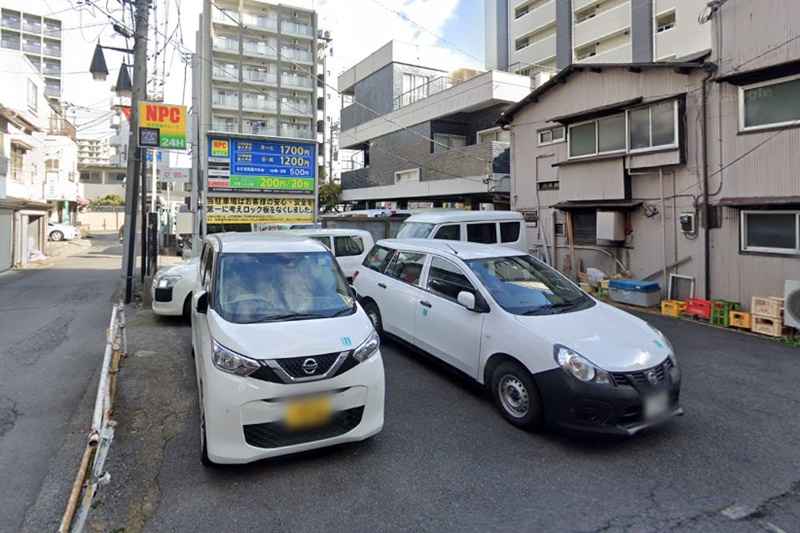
(514, 396)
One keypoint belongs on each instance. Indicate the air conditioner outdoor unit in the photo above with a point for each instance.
(791, 303)
(486, 207)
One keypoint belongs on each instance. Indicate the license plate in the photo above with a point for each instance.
(656, 405)
(308, 412)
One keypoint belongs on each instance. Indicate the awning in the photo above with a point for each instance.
(772, 72)
(763, 201)
(611, 205)
(18, 119)
(81, 200)
(21, 144)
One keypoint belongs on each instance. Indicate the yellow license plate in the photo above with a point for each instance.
(309, 412)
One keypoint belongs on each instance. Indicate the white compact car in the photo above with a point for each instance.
(62, 232)
(172, 288)
(349, 246)
(286, 359)
(487, 227)
(545, 349)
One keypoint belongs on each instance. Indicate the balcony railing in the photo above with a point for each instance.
(259, 105)
(293, 53)
(260, 77)
(52, 71)
(295, 28)
(11, 44)
(226, 73)
(10, 23)
(226, 16)
(32, 48)
(225, 126)
(301, 108)
(262, 22)
(296, 81)
(226, 44)
(434, 86)
(269, 129)
(4, 163)
(53, 91)
(298, 132)
(52, 51)
(226, 101)
(259, 49)
(32, 27)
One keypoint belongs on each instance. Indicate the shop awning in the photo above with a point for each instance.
(619, 205)
(762, 201)
(81, 200)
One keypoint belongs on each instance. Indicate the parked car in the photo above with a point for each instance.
(62, 232)
(349, 246)
(172, 288)
(173, 284)
(286, 360)
(373, 213)
(488, 227)
(545, 349)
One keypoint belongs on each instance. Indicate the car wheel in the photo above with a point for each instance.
(56, 236)
(374, 314)
(516, 396)
(203, 440)
(187, 307)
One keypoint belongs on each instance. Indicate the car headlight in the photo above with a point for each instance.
(663, 339)
(577, 366)
(165, 281)
(232, 362)
(368, 348)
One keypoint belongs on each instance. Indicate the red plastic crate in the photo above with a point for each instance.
(698, 307)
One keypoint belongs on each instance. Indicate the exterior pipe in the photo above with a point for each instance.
(706, 231)
(663, 225)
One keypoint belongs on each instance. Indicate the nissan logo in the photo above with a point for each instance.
(310, 366)
(651, 376)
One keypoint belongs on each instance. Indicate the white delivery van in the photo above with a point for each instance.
(487, 227)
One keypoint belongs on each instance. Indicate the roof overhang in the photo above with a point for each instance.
(21, 144)
(611, 205)
(763, 201)
(18, 119)
(772, 72)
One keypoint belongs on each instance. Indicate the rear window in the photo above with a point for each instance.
(451, 232)
(348, 245)
(509, 231)
(485, 232)
(407, 266)
(378, 258)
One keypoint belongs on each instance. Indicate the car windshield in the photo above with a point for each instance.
(414, 230)
(523, 285)
(271, 287)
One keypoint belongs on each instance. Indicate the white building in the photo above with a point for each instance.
(39, 38)
(535, 36)
(38, 162)
(93, 151)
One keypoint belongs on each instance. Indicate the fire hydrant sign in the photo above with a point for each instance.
(169, 120)
(259, 210)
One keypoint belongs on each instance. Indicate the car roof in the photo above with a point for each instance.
(462, 249)
(258, 242)
(331, 231)
(464, 216)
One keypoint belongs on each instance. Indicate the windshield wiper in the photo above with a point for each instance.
(285, 316)
(340, 312)
(558, 305)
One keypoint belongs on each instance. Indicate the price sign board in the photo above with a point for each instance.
(259, 210)
(168, 120)
(261, 166)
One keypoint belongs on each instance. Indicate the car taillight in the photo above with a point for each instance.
(355, 275)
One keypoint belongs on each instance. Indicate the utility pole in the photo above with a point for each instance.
(135, 155)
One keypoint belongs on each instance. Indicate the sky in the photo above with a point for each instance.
(358, 28)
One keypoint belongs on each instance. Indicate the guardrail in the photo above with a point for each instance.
(102, 430)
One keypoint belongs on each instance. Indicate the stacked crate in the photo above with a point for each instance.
(767, 315)
(721, 312)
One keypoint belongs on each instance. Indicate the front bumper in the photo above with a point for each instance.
(245, 416)
(164, 303)
(615, 410)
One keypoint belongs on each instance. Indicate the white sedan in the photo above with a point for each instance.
(172, 288)
(62, 232)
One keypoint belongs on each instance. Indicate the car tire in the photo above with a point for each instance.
(516, 396)
(56, 236)
(374, 315)
(187, 307)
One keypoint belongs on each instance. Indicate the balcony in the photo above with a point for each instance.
(227, 127)
(52, 71)
(606, 23)
(619, 54)
(296, 108)
(536, 52)
(225, 73)
(296, 132)
(52, 30)
(295, 28)
(11, 23)
(225, 101)
(577, 5)
(261, 23)
(297, 55)
(53, 91)
(541, 17)
(31, 48)
(31, 26)
(257, 76)
(52, 51)
(226, 45)
(301, 81)
(226, 16)
(254, 48)
(9, 43)
(4, 163)
(256, 104)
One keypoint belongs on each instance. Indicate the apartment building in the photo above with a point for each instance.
(93, 151)
(544, 36)
(686, 168)
(424, 135)
(39, 38)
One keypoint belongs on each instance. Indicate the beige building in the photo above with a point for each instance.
(687, 168)
(541, 36)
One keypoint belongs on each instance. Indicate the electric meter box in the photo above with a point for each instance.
(610, 226)
(687, 222)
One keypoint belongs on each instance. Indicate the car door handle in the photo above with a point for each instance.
(382, 285)
(423, 303)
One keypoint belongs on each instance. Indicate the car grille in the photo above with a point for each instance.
(275, 434)
(265, 373)
(294, 365)
(640, 379)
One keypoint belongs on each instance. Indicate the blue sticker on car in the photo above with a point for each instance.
(346, 341)
(658, 344)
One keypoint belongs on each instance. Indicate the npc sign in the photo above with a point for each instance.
(259, 210)
(260, 166)
(162, 126)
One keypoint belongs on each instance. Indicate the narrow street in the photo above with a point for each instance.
(52, 324)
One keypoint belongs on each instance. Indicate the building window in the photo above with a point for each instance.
(548, 186)
(51, 164)
(406, 175)
(776, 232)
(443, 143)
(768, 104)
(602, 136)
(665, 21)
(655, 126)
(415, 87)
(16, 163)
(33, 96)
(494, 135)
(553, 135)
(584, 227)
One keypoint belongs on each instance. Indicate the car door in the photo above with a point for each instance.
(398, 291)
(200, 328)
(442, 326)
(348, 250)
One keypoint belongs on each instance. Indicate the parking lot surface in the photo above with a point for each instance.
(446, 460)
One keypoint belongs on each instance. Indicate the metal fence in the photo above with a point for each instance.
(91, 474)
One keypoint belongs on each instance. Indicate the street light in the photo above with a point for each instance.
(124, 87)
(99, 69)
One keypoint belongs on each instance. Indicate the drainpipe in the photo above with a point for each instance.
(706, 231)
(663, 226)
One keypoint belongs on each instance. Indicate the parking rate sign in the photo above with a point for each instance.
(257, 165)
(169, 120)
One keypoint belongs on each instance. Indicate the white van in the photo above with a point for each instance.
(487, 227)
(286, 360)
(349, 246)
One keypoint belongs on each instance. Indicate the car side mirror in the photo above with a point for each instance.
(467, 299)
(202, 303)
